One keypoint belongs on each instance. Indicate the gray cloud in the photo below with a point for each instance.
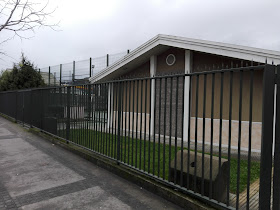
(94, 30)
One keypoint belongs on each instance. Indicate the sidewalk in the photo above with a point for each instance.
(34, 174)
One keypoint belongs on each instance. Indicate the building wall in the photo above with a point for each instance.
(177, 68)
(135, 96)
(207, 62)
(169, 101)
(139, 72)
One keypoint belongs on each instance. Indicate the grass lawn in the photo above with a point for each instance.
(150, 156)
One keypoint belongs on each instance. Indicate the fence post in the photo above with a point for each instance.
(49, 76)
(90, 67)
(60, 74)
(73, 75)
(119, 120)
(107, 60)
(68, 115)
(267, 137)
(276, 174)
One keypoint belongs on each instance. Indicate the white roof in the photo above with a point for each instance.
(162, 42)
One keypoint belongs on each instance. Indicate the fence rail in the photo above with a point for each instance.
(208, 134)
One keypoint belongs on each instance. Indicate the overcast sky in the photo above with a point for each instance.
(93, 28)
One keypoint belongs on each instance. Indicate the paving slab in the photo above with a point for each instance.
(35, 174)
(92, 198)
(26, 169)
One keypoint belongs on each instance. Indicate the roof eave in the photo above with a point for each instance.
(229, 50)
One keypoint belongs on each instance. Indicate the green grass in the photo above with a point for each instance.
(149, 156)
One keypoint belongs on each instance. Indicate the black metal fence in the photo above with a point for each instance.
(197, 132)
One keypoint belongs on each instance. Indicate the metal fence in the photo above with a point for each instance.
(75, 72)
(195, 132)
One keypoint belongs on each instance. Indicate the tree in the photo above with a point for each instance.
(22, 76)
(18, 16)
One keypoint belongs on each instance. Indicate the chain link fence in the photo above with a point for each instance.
(78, 72)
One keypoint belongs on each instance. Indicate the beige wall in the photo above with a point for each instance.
(177, 68)
(139, 72)
(132, 92)
(203, 62)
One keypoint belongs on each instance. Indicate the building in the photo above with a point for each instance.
(166, 55)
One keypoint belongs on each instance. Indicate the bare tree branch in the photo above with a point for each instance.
(19, 16)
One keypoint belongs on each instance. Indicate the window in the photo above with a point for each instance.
(170, 59)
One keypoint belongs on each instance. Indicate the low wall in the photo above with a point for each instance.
(255, 133)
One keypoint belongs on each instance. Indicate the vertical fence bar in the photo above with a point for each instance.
(145, 124)
(250, 137)
(68, 115)
(119, 120)
(104, 100)
(125, 122)
(170, 125)
(60, 74)
(132, 130)
(141, 111)
(90, 67)
(276, 174)
(116, 115)
(196, 117)
(267, 137)
(49, 76)
(109, 114)
(99, 134)
(239, 138)
(159, 125)
(76, 115)
(150, 127)
(182, 130)
(107, 125)
(107, 60)
(203, 133)
(112, 118)
(136, 126)
(221, 121)
(229, 134)
(100, 118)
(212, 136)
(73, 75)
(154, 125)
(164, 127)
(189, 132)
(176, 134)
(16, 112)
(89, 112)
(30, 109)
(79, 111)
(129, 122)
